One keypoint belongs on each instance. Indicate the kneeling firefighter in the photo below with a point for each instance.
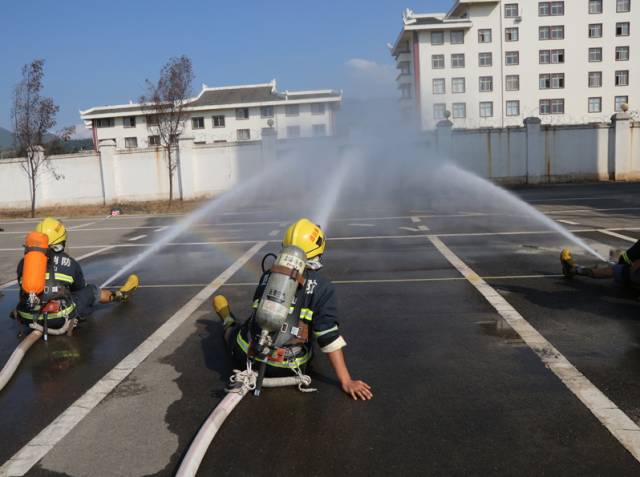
(293, 306)
(52, 285)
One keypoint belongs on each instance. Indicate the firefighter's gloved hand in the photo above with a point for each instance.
(13, 314)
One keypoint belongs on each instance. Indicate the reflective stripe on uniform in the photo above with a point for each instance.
(244, 346)
(60, 277)
(324, 332)
(625, 257)
(255, 303)
(51, 316)
(306, 314)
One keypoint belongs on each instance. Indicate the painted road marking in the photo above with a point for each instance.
(610, 416)
(160, 229)
(41, 444)
(410, 229)
(273, 233)
(137, 237)
(76, 227)
(362, 225)
(617, 235)
(423, 227)
(568, 222)
(415, 219)
(81, 257)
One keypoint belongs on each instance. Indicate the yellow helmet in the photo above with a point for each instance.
(307, 236)
(54, 229)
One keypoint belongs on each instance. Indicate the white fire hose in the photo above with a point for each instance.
(242, 382)
(16, 357)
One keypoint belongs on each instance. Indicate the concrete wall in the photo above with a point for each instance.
(537, 153)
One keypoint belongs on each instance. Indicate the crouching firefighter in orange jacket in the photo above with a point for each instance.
(52, 286)
(293, 306)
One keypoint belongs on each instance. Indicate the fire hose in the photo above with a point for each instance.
(241, 383)
(16, 357)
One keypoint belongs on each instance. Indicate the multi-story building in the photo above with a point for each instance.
(495, 62)
(225, 114)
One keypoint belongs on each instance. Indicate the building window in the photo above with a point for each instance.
(457, 60)
(103, 123)
(458, 85)
(557, 9)
(459, 110)
(439, 110)
(437, 37)
(622, 53)
(595, 79)
(437, 62)
(242, 113)
(457, 37)
(546, 9)
(197, 123)
(405, 68)
(317, 109)
(546, 57)
(511, 58)
(129, 122)
(405, 91)
(619, 101)
(623, 6)
(486, 109)
(218, 121)
(130, 142)
(152, 120)
(513, 108)
(486, 84)
(511, 10)
(485, 59)
(293, 131)
(622, 29)
(555, 32)
(439, 86)
(319, 129)
(512, 83)
(153, 140)
(266, 112)
(551, 81)
(294, 109)
(622, 78)
(511, 34)
(595, 55)
(243, 134)
(484, 35)
(551, 106)
(595, 6)
(595, 30)
(595, 105)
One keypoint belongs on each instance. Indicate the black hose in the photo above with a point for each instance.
(265, 258)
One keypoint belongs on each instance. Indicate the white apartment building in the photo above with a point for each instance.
(492, 63)
(224, 114)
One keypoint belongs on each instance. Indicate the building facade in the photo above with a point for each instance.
(224, 114)
(492, 63)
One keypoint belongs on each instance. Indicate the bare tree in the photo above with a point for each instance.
(33, 116)
(166, 101)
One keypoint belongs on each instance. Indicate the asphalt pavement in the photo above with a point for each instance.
(457, 391)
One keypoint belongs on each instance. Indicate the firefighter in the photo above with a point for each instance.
(626, 272)
(67, 286)
(315, 305)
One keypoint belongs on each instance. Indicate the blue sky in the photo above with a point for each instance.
(101, 52)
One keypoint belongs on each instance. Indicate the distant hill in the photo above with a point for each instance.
(73, 145)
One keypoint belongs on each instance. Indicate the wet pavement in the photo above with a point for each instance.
(456, 391)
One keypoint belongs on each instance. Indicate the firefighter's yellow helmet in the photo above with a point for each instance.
(307, 236)
(54, 229)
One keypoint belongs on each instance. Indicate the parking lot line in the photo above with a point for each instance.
(41, 444)
(617, 235)
(623, 428)
(137, 237)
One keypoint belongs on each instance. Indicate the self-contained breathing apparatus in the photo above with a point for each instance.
(43, 296)
(278, 326)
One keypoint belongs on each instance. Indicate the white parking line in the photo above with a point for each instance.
(423, 227)
(410, 229)
(160, 229)
(41, 444)
(76, 227)
(415, 219)
(361, 225)
(137, 237)
(81, 257)
(568, 222)
(624, 429)
(617, 235)
(273, 233)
